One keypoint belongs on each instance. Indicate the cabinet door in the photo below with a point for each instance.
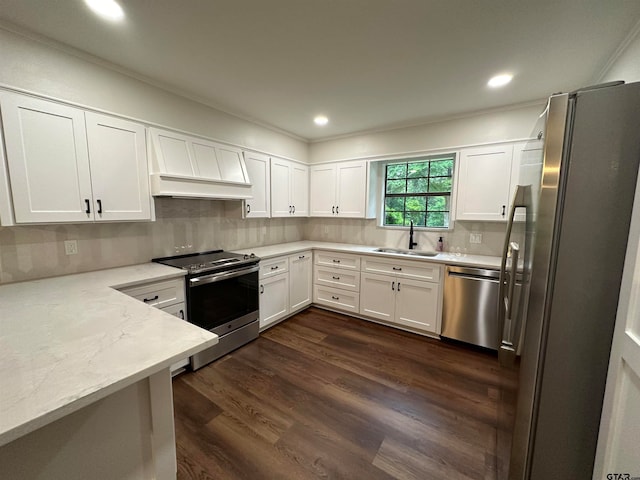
(377, 296)
(322, 191)
(300, 280)
(119, 175)
(300, 189)
(258, 170)
(484, 180)
(280, 188)
(417, 305)
(274, 299)
(174, 153)
(46, 147)
(352, 189)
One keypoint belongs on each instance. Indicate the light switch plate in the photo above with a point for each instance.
(71, 247)
(475, 238)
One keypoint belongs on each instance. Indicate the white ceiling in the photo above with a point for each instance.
(366, 64)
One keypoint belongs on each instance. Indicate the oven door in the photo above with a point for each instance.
(224, 301)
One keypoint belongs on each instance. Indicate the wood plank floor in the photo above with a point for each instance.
(323, 395)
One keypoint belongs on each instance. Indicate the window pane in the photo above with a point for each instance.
(398, 170)
(417, 217)
(438, 204)
(396, 186)
(417, 185)
(394, 218)
(440, 184)
(418, 169)
(414, 204)
(437, 219)
(394, 204)
(441, 168)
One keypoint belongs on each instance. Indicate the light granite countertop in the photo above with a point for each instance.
(481, 261)
(68, 341)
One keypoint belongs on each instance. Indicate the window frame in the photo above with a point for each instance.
(447, 155)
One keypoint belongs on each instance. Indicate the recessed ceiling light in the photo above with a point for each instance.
(108, 9)
(500, 80)
(321, 120)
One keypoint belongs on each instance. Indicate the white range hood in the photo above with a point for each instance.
(190, 167)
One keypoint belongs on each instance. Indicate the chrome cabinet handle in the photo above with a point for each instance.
(146, 300)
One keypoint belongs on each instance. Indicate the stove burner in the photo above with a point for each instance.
(213, 261)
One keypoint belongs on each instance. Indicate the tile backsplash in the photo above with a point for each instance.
(183, 226)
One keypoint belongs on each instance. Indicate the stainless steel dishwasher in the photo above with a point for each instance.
(470, 306)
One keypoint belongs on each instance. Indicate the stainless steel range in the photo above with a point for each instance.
(222, 297)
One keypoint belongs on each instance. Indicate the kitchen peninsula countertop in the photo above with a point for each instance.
(68, 341)
(479, 261)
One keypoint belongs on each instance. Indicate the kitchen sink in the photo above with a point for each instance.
(399, 251)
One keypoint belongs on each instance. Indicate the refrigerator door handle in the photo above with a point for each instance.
(507, 333)
(503, 296)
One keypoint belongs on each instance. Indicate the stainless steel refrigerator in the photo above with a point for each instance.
(578, 211)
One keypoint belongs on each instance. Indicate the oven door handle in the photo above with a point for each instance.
(218, 277)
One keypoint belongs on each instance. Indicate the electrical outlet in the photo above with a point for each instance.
(475, 238)
(71, 247)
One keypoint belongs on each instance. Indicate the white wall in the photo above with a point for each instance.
(32, 65)
(627, 65)
(493, 126)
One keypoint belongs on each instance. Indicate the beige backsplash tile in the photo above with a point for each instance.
(182, 226)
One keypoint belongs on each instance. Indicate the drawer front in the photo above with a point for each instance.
(337, 260)
(337, 278)
(177, 310)
(336, 298)
(158, 294)
(416, 270)
(274, 266)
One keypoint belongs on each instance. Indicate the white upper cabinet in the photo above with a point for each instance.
(259, 205)
(289, 188)
(56, 158)
(338, 189)
(484, 183)
(119, 175)
(187, 166)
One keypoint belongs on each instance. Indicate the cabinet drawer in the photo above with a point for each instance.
(177, 310)
(417, 270)
(274, 266)
(337, 260)
(336, 298)
(337, 278)
(158, 294)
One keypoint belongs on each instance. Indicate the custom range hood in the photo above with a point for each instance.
(183, 166)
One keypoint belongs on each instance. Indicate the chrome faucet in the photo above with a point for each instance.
(411, 242)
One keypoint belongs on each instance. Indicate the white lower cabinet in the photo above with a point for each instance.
(300, 280)
(274, 299)
(166, 295)
(336, 280)
(285, 286)
(398, 298)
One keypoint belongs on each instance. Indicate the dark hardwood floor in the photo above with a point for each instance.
(323, 395)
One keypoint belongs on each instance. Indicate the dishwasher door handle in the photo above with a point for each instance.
(493, 279)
